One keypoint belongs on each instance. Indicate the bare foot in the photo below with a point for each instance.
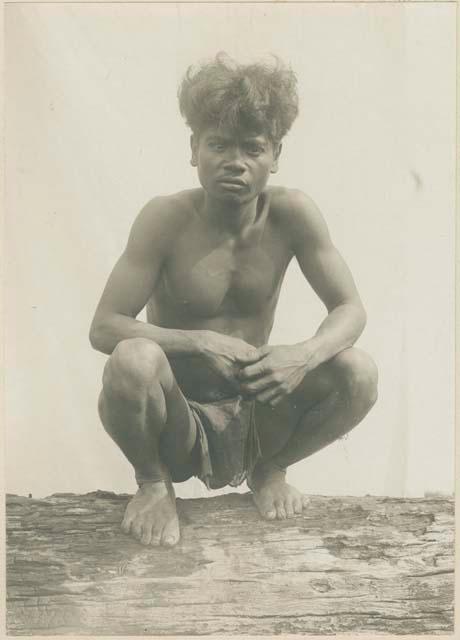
(151, 515)
(273, 496)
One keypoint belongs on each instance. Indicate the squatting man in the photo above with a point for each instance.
(197, 390)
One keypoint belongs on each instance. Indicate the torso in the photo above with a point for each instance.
(218, 281)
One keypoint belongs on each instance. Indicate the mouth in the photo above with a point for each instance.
(232, 183)
(231, 180)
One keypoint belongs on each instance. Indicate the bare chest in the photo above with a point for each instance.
(211, 280)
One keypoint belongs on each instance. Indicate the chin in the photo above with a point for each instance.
(231, 197)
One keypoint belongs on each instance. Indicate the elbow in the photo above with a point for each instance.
(96, 335)
(362, 318)
(93, 337)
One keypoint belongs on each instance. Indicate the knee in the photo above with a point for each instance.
(358, 377)
(133, 367)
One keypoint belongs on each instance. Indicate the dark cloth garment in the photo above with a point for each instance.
(228, 441)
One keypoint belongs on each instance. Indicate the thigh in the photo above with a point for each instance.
(141, 393)
(276, 424)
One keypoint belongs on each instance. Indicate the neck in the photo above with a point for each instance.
(228, 215)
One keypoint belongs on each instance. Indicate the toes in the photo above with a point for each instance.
(268, 510)
(298, 506)
(146, 535)
(282, 504)
(266, 507)
(136, 530)
(170, 541)
(171, 534)
(156, 537)
(126, 525)
(280, 511)
(127, 521)
(289, 509)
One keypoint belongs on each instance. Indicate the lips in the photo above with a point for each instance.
(233, 181)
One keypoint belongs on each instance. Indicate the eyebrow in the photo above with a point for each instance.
(217, 138)
(259, 139)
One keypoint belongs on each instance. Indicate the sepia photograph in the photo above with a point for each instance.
(229, 344)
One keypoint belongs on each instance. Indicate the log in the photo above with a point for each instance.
(348, 564)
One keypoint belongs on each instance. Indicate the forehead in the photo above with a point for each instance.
(227, 133)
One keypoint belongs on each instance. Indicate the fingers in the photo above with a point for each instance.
(249, 356)
(254, 370)
(264, 350)
(272, 395)
(257, 386)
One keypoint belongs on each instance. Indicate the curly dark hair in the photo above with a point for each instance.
(259, 96)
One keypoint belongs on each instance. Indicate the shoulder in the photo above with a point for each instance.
(298, 215)
(169, 211)
(163, 216)
(160, 220)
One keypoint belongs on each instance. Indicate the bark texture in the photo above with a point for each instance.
(347, 565)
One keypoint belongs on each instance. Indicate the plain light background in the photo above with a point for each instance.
(93, 131)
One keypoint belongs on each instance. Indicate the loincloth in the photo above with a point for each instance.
(228, 441)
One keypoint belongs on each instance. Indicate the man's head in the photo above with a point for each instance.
(238, 115)
(258, 97)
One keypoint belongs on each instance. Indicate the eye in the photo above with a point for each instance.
(254, 149)
(216, 146)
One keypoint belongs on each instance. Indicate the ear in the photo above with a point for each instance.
(276, 155)
(194, 148)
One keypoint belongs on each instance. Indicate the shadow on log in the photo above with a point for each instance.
(367, 564)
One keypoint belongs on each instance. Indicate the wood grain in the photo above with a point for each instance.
(347, 565)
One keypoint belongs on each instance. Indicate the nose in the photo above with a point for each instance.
(234, 160)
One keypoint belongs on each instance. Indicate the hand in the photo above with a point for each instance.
(226, 355)
(278, 373)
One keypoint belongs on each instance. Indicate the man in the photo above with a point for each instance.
(197, 391)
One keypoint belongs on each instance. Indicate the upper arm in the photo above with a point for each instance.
(318, 258)
(133, 279)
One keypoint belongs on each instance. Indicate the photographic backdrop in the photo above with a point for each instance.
(93, 131)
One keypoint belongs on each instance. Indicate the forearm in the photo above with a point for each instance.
(338, 331)
(108, 331)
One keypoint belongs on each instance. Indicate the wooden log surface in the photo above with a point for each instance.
(349, 564)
